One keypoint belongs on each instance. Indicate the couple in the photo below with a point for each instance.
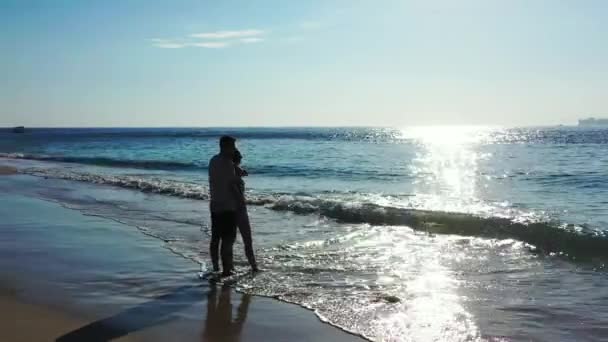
(228, 208)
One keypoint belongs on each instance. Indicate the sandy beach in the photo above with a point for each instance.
(7, 170)
(71, 277)
(20, 321)
(28, 322)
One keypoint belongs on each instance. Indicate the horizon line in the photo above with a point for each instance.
(294, 126)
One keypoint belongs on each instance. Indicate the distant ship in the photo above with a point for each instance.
(593, 122)
(19, 129)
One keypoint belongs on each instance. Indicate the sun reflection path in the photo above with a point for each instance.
(431, 307)
(446, 166)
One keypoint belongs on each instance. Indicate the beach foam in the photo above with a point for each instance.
(573, 241)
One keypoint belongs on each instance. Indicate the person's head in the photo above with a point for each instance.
(227, 145)
(236, 159)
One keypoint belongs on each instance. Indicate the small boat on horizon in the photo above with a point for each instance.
(19, 129)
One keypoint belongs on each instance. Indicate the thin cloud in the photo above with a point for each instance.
(167, 44)
(211, 45)
(211, 40)
(228, 34)
(170, 45)
(251, 40)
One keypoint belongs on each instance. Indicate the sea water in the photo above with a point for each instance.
(413, 234)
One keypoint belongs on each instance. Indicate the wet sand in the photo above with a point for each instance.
(101, 280)
(7, 170)
(28, 322)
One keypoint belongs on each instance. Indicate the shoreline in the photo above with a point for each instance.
(21, 321)
(7, 170)
(24, 321)
(103, 279)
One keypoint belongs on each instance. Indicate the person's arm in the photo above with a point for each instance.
(239, 195)
(234, 184)
(241, 172)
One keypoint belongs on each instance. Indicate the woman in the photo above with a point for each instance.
(242, 216)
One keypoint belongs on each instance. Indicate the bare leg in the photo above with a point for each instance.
(215, 242)
(245, 229)
(228, 235)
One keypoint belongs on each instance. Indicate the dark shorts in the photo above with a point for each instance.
(223, 225)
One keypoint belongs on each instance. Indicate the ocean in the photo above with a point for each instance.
(413, 234)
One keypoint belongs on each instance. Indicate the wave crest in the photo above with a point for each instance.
(148, 185)
(576, 242)
(546, 237)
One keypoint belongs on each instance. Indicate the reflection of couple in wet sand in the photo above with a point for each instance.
(228, 211)
(219, 324)
(228, 207)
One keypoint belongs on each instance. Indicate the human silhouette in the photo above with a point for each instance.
(242, 217)
(224, 202)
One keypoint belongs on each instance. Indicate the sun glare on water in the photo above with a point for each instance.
(447, 135)
(446, 165)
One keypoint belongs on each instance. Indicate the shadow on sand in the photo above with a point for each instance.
(218, 323)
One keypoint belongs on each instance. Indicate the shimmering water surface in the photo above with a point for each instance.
(415, 234)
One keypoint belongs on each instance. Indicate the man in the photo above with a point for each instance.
(225, 200)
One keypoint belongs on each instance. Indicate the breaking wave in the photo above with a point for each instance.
(575, 242)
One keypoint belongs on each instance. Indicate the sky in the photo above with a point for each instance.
(302, 63)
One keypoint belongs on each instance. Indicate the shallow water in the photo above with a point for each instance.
(419, 234)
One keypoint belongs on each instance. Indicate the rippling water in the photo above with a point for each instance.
(421, 234)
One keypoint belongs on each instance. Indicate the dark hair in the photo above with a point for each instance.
(226, 141)
(237, 157)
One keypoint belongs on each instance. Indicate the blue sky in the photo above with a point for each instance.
(288, 63)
